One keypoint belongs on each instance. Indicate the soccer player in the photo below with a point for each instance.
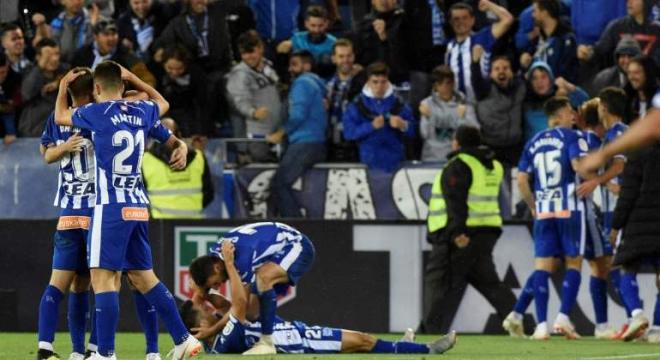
(238, 334)
(118, 239)
(269, 257)
(549, 158)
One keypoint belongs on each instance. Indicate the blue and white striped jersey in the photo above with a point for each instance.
(119, 131)
(75, 184)
(547, 158)
(609, 198)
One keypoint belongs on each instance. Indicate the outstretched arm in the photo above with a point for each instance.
(504, 17)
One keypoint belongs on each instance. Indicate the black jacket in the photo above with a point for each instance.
(159, 16)
(456, 181)
(637, 211)
(188, 102)
(422, 54)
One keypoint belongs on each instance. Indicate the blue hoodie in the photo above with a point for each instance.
(379, 148)
(276, 19)
(307, 115)
(590, 17)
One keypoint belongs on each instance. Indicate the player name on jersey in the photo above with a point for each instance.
(127, 118)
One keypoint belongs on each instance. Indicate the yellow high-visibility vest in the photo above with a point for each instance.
(483, 207)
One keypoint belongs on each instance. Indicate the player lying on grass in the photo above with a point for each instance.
(237, 335)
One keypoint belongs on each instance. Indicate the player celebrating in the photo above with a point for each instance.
(238, 334)
(118, 239)
(550, 158)
(269, 257)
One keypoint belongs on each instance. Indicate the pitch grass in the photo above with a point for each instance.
(21, 346)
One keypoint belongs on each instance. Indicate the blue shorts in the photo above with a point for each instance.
(608, 216)
(296, 258)
(118, 239)
(69, 250)
(596, 243)
(559, 236)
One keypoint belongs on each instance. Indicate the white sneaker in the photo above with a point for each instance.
(76, 356)
(513, 325)
(636, 327)
(653, 336)
(606, 333)
(187, 349)
(541, 332)
(153, 356)
(408, 336)
(443, 344)
(263, 347)
(565, 327)
(96, 356)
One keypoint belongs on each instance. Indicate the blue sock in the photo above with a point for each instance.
(163, 301)
(656, 311)
(541, 295)
(91, 344)
(148, 319)
(399, 347)
(77, 317)
(569, 290)
(107, 317)
(615, 277)
(267, 308)
(526, 295)
(630, 291)
(48, 311)
(598, 290)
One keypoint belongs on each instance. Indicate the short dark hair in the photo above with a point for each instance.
(554, 104)
(304, 55)
(378, 69)
(615, 100)
(108, 75)
(504, 57)
(43, 43)
(343, 42)
(201, 268)
(83, 85)
(551, 6)
(316, 11)
(461, 6)
(7, 27)
(177, 52)
(248, 41)
(442, 73)
(189, 315)
(468, 136)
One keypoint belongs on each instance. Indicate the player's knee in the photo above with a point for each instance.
(61, 279)
(574, 263)
(80, 284)
(143, 281)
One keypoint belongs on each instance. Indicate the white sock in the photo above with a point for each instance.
(655, 327)
(542, 325)
(637, 312)
(563, 318)
(92, 347)
(602, 326)
(46, 346)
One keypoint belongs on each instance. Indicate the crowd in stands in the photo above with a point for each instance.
(379, 82)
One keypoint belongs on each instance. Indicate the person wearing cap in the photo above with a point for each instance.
(106, 46)
(616, 75)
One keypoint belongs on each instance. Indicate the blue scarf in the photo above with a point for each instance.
(437, 23)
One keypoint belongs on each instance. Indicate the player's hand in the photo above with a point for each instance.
(69, 77)
(587, 188)
(397, 122)
(614, 234)
(378, 122)
(126, 75)
(179, 156)
(228, 249)
(260, 113)
(74, 143)
(202, 332)
(591, 163)
(613, 187)
(461, 241)
(425, 110)
(380, 29)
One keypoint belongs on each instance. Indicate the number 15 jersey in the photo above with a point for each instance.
(119, 130)
(547, 158)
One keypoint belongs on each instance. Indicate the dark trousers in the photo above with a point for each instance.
(448, 272)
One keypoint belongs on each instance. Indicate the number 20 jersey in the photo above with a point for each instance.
(547, 158)
(76, 176)
(119, 131)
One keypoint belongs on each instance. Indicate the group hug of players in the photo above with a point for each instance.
(102, 233)
(569, 226)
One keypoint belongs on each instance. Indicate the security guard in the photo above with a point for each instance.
(176, 194)
(464, 224)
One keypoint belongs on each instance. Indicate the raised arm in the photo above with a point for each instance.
(140, 85)
(504, 17)
(62, 112)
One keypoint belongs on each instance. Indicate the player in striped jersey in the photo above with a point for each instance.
(549, 158)
(118, 239)
(237, 335)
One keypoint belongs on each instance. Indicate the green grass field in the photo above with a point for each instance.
(130, 345)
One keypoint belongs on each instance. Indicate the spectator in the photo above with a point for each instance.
(342, 88)
(541, 86)
(276, 21)
(442, 113)
(181, 194)
(528, 32)
(615, 75)
(459, 50)
(252, 88)
(590, 17)
(316, 40)
(378, 120)
(141, 23)
(380, 36)
(305, 129)
(10, 98)
(637, 24)
(556, 42)
(39, 89)
(499, 107)
(641, 87)
(71, 29)
(106, 46)
(183, 86)
(13, 43)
